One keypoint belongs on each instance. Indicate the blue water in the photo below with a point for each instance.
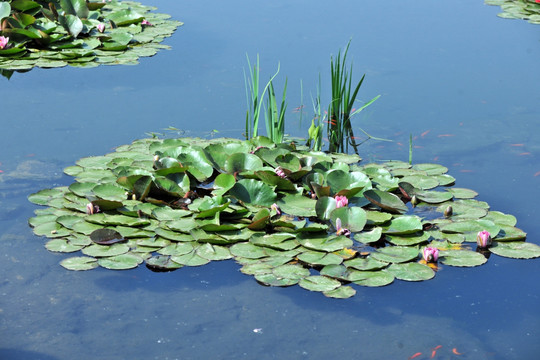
(461, 80)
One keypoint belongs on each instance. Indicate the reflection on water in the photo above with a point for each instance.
(458, 78)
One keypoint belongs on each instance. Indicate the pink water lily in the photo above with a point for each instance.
(147, 23)
(430, 254)
(92, 209)
(3, 42)
(100, 27)
(341, 230)
(279, 172)
(483, 239)
(341, 201)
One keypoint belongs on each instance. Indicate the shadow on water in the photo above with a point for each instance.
(15, 354)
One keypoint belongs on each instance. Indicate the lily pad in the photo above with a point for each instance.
(516, 250)
(342, 292)
(319, 283)
(120, 262)
(386, 201)
(411, 271)
(395, 254)
(462, 258)
(79, 263)
(371, 278)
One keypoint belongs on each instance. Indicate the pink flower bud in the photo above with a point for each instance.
(4, 42)
(92, 209)
(100, 27)
(341, 230)
(276, 208)
(341, 201)
(430, 254)
(483, 239)
(146, 22)
(279, 172)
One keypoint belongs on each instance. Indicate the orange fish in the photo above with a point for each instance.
(434, 350)
(425, 133)
(454, 350)
(297, 109)
(446, 135)
(435, 158)
(525, 153)
(537, 173)
(517, 145)
(415, 355)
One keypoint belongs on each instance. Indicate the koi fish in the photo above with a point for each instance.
(517, 145)
(445, 135)
(454, 350)
(434, 351)
(525, 153)
(537, 173)
(415, 355)
(425, 133)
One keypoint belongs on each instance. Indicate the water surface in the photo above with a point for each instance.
(462, 81)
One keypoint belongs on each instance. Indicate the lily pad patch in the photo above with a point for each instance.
(185, 202)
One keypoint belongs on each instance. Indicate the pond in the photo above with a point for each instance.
(461, 80)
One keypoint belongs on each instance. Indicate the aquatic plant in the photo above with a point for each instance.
(518, 9)
(275, 122)
(341, 109)
(56, 33)
(273, 209)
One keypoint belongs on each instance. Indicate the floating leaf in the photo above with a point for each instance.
(401, 225)
(106, 236)
(96, 250)
(79, 263)
(62, 245)
(385, 200)
(254, 192)
(367, 237)
(342, 292)
(395, 254)
(120, 262)
(462, 258)
(371, 278)
(516, 249)
(319, 283)
(162, 263)
(411, 271)
(297, 205)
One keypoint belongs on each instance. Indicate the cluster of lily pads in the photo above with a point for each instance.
(518, 9)
(288, 215)
(56, 33)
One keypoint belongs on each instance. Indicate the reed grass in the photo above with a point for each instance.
(341, 108)
(254, 99)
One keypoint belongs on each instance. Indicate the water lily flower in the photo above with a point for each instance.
(430, 254)
(146, 22)
(341, 230)
(92, 209)
(276, 208)
(341, 201)
(3, 42)
(483, 239)
(100, 27)
(279, 172)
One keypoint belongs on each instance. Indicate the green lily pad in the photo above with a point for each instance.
(320, 258)
(190, 259)
(365, 264)
(120, 262)
(395, 254)
(297, 205)
(516, 250)
(162, 263)
(411, 271)
(289, 271)
(319, 283)
(462, 258)
(214, 252)
(461, 193)
(510, 233)
(254, 192)
(371, 278)
(386, 201)
(342, 292)
(79, 263)
(96, 250)
(402, 225)
(324, 243)
(62, 245)
(270, 279)
(366, 237)
(409, 239)
(248, 250)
